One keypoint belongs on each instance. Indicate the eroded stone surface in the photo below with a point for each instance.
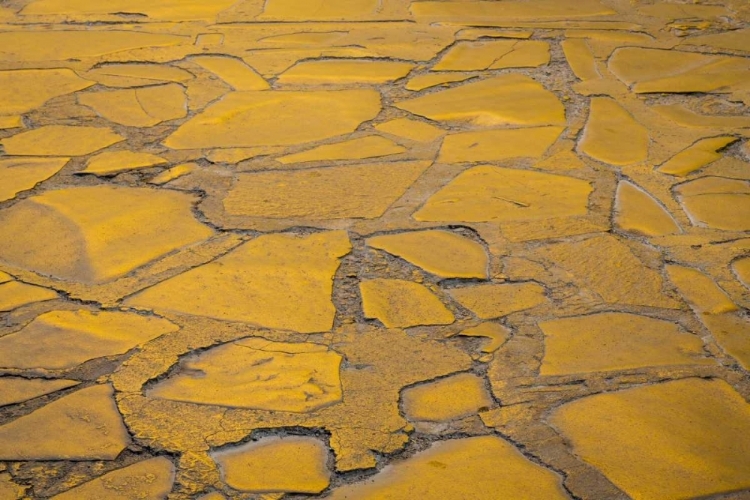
(696, 156)
(495, 145)
(700, 290)
(140, 107)
(411, 129)
(401, 304)
(235, 72)
(26, 89)
(446, 399)
(494, 301)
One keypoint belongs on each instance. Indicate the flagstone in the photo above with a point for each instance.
(495, 332)
(696, 156)
(100, 232)
(167, 10)
(17, 390)
(14, 295)
(638, 212)
(60, 340)
(21, 174)
(259, 374)
(60, 140)
(174, 173)
(9, 122)
(344, 71)
(495, 54)
(612, 135)
(685, 117)
(663, 441)
(247, 119)
(23, 90)
(402, 304)
(235, 72)
(717, 202)
(137, 74)
(491, 301)
(84, 425)
(496, 145)
(281, 281)
(113, 162)
(289, 464)
(446, 399)
(372, 146)
(732, 333)
(8, 489)
(421, 82)
(140, 107)
(487, 13)
(700, 290)
(411, 129)
(741, 268)
(442, 253)
(488, 193)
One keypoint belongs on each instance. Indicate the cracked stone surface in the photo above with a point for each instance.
(419, 249)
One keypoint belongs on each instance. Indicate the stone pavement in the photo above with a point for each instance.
(374, 249)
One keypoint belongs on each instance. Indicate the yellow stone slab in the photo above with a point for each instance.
(291, 464)
(732, 40)
(17, 390)
(402, 304)
(732, 332)
(411, 129)
(612, 135)
(477, 33)
(344, 72)
(167, 10)
(14, 295)
(5, 277)
(496, 145)
(716, 202)
(137, 74)
(20, 174)
(247, 119)
(84, 425)
(362, 191)
(141, 107)
(61, 45)
(99, 232)
(616, 341)
(23, 90)
(233, 71)
(442, 253)
(421, 82)
(372, 146)
(319, 10)
(741, 268)
(608, 267)
(685, 117)
(495, 301)
(146, 480)
(447, 399)
(580, 59)
(9, 122)
(488, 193)
(564, 160)
(259, 374)
(113, 162)
(60, 340)
(683, 11)
(496, 333)
(488, 13)
(682, 439)
(174, 173)
(638, 212)
(495, 54)
(277, 281)
(509, 99)
(60, 140)
(479, 468)
(730, 167)
(696, 156)
(236, 155)
(699, 290)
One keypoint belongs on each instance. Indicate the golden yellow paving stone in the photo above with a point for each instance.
(683, 116)
(342, 71)
(23, 90)
(168, 10)
(477, 33)
(509, 99)
(236, 155)
(717, 202)
(442, 253)
(318, 10)
(495, 145)
(340, 192)
(137, 74)
(681, 439)
(60, 140)
(5, 277)
(20, 174)
(113, 162)
(140, 107)
(421, 82)
(447, 399)
(699, 290)
(292, 464)
(235, 72)
(278, 281)
(491, 301)
(17, 390)
(495, 54)
(732, 40)
(487, 13)
(9, 122)
(150, 479)
(655, 70)
(683, 11)
(696, 156)
(497, 333)
(607, 266)
(60, 340)
(14, 294)
(62, 45)
(730, 167)
(84, 425)
(259, 374)
(480, 468)
(100, 232)
(174, 173)
(247, 119)
(564, 160)
(411, 129)
(580, 59)
(372, 146)
(616, 341)
(489, 193)
(741, 268)
(612, 135)
(732, 332)
(638, 212)
(402, 304)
